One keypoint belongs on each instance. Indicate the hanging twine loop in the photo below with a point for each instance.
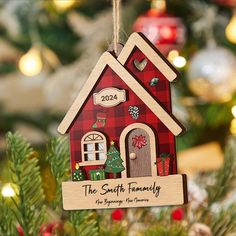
(116, 24)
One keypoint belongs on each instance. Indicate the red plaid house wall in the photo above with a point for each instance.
(118, 117)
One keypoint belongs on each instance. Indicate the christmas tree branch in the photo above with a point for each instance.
(160, 230)
(59, 160)
(224, 222)
(29, 207)
(7, 219)
(82, 222)
(225, 177)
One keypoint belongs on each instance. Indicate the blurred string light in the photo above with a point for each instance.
(159, 5)
(233, 126)
(179, 61)
(230, 30)
(176, 59)
(8, 191)
(234, 111)
(31, 64)
(233, 122)
(63, 5)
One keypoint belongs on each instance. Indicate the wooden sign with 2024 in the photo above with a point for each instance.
(109, 97)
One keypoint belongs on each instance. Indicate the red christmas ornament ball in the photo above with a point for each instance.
(229, 3)
(117, 214)
(165, 31)
(177, 214)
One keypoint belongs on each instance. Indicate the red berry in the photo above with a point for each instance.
(20, 230)
(177, 214)
(117, 214)
(42, 228)
(46, 234)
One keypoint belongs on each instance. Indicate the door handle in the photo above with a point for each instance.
(132, 156)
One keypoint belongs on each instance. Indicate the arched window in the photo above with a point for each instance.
(94, 148)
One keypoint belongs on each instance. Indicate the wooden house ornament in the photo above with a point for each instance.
(122, 133)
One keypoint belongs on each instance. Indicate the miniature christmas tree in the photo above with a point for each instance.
(114, 162)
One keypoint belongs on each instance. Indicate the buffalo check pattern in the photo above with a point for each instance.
(118, 117)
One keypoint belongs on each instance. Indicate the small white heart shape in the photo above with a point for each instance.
(140, 65)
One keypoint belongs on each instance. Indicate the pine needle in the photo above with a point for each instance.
(224, 223)
(29, 207)
(59, 159)
(83, 223)
(225, 177)
(7, 219)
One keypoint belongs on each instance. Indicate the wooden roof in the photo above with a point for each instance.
(150, 51)
(107, 59)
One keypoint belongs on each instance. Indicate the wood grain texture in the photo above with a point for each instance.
(144, 45)
(109, 97)
(92, 163)
(107, 59)
(125, 193)
(141, 165)
(124, 146)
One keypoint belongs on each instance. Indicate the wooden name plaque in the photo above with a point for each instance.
(124, 193)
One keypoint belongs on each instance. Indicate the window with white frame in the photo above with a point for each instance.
(94, 147)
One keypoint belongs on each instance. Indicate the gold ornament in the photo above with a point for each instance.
(31, 63)
(230, 30)
(63, 5)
